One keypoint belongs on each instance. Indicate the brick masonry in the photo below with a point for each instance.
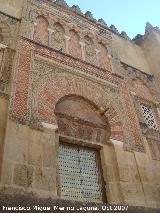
(20, 103)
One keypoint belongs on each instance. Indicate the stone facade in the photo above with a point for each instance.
(68, 78)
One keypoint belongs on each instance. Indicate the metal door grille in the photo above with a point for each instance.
(79, 174)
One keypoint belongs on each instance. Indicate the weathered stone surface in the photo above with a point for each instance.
(23, 175)
(45, 179)
(49, 156)
(7, 172)
(13, 8)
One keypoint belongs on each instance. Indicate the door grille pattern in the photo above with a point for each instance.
(79, 174)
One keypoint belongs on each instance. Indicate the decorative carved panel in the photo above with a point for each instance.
(90, 52)
(57, 37)
(78, 118)
(148, 116)
(50, 70)
(81, 130)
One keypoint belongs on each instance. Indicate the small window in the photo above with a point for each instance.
(80, 176)
(148, 116)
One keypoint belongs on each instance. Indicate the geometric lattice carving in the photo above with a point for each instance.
(148, 116)
(79, 174)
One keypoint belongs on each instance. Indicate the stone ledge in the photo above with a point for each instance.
(7, 200)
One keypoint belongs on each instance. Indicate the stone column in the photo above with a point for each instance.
(67, 38)
(97, 57)
(33, 30)
(50, 31)
(82, 50)
(2, 48)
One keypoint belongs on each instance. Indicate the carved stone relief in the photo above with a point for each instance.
(52, 70)
(90, 52)
(71, 84)
(74, 45)
(58, 38)
(147, 113)
(78, 118)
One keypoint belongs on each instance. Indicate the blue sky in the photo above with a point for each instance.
(127, 15)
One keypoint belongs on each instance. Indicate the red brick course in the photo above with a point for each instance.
(67, 87)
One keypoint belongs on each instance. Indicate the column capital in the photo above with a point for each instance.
(82, 43)
(3, 46)
(67, 37)
(50, 30)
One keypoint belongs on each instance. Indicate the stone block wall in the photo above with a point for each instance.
(3, 123)
(29, 162)
(12, 8)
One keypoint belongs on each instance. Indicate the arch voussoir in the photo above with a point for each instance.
(77, 87)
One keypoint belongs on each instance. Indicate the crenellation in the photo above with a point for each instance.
(76, 9)
(124, 35)
(102, 22)
(114, 29)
